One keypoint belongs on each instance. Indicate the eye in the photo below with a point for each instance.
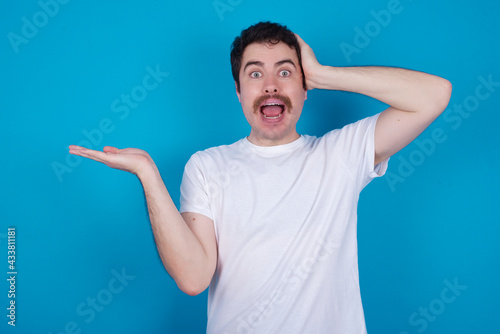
(285, 73)
(255, 74)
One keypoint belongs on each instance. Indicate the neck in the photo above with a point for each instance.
(266, 141)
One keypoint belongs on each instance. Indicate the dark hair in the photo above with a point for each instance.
(267, 32)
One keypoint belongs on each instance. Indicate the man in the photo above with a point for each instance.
(269, 222)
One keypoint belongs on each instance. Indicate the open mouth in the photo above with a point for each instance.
(272, 110)
(273, 107)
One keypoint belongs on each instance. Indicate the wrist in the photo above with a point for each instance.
(148, 172)
(324, 77)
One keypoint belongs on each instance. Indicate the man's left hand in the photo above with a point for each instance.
(312, 68)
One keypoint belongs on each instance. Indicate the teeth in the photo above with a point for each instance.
(273, 104)
(274, 117)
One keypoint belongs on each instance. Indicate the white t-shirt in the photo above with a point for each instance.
(285, 223)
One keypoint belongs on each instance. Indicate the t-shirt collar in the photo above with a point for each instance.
(270, 151)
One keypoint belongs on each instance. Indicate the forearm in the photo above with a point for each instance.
(181, 252)
(403, 89)
(190, 262)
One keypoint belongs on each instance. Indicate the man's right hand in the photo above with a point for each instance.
(132, 160)
(186, 243)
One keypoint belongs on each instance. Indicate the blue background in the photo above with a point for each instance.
(433, 218)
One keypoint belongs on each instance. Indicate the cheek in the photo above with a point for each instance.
(246, 105)
(247, 98)
(298, 99)
(246, 102)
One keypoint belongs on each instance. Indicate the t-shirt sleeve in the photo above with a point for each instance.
(355, 144)
(194, 195)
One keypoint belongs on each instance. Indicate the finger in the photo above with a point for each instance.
(110, 149)
(91, 154)
(300, 40)
(74, 149)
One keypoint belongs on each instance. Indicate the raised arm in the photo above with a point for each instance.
(416, 99)
(186, 243)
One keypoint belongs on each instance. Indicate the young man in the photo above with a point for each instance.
(269, 222)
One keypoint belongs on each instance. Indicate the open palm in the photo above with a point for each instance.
(132, 160)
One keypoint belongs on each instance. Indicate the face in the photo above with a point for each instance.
(271, 93)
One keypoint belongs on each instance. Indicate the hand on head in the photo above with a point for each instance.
(310, 64)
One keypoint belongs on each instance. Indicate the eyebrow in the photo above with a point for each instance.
(261, 64)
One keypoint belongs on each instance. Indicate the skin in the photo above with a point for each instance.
(416, 99)
(271, 69)
(186, 242)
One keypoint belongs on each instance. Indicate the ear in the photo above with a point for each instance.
(305, 95)
(237, 92)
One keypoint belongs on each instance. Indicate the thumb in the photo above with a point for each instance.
(301, 41)
(110, 149)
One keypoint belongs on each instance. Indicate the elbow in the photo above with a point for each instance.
(192, 290)
(443, 95)
(436, 100)
(192, 279)
(193, 287)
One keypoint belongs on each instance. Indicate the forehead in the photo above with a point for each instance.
(268, 53)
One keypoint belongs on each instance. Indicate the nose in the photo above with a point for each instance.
(270, 86)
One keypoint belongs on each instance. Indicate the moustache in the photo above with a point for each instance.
(283, 98)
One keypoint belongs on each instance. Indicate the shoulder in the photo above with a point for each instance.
(217, 155)
(359, 129)
(220, 151)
